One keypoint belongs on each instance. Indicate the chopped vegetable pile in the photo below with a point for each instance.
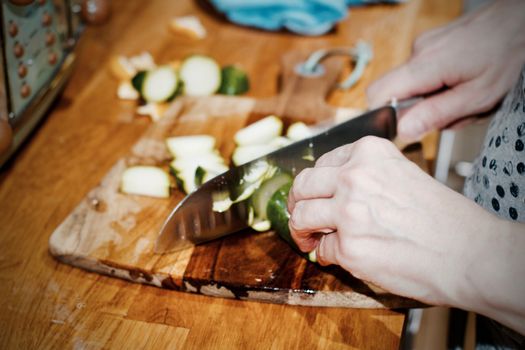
(152, 85)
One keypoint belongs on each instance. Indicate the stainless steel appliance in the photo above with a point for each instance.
(38, 38)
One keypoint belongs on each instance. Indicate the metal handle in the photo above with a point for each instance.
(361, 54)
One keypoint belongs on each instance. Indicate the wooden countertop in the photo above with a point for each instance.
(46, 304)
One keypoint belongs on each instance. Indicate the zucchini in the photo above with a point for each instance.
(146, 181)
(277, 211)
(234, 81)
(211, 161)
(245, 154)
(126, 91)
(262, 195)
(186, 146)
(157, 85)
(298, 131)
(260, 132)
(280, 141)
(192, 172)
(201, 75)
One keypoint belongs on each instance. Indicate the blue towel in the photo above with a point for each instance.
(305, 17)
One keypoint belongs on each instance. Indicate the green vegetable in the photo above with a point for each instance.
(157, 85)
(234, 81)
(262, 195)
(277, 212)
(201, 75)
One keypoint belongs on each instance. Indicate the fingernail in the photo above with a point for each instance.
(410, 128)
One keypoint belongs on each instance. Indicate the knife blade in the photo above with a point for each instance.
(194, 221)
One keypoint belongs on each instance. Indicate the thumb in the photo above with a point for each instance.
(439, 111)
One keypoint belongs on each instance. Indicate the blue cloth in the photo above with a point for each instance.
(305, 17)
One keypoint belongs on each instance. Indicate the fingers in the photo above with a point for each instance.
(327, 249)
(309, 219)
(313, 183)
(335, 158)
(438, 111)
(411, 79)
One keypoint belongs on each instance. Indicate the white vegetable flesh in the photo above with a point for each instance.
(260, 132)
(298, 131)
(187, 146)
(201, 75)
(159, 84)
(146, 181)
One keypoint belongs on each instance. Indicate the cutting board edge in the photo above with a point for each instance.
(349, 299)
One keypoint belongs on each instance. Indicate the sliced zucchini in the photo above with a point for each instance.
(234, 81)
(201, 75)
(280, 141)
(262, 195)
(157, 85)
(186, 179)
(260, 132)
(186, 146)
(261, 225)
(252, 180)
(211, 161)
(126, 91)
(191, 173)
(298, 131)
(277, 211)
(245, 154)
(146, 181)
(153, 110)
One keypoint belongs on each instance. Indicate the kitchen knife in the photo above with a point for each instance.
(194, 220)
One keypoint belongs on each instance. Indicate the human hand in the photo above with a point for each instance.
(393, 225)
(466, 67)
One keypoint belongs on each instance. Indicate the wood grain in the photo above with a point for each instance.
(47, 304)
(114, 233)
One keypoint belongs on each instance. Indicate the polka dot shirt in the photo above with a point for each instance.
(498, 180)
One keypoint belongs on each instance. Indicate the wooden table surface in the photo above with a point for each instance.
(46, 304)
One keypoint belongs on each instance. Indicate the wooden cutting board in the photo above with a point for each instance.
(114, 233)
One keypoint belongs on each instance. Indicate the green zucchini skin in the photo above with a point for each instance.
(234, 81)
(277, 212)
(138, 80)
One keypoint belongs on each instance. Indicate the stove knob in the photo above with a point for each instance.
(95, 11)
(52, 58)
(6, 136)
(13, 29)
(46, 19)
(50, 39)
(18, 50)
(25, 90)
(22, 70)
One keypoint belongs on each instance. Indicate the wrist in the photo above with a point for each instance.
(494, 270)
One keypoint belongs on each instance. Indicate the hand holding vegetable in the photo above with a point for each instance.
(472, 62)
(395, 226)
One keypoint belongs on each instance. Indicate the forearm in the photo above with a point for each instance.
(494, 284)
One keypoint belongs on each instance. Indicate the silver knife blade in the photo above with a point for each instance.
(194, 221)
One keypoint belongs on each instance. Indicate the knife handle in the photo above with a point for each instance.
(404, 104)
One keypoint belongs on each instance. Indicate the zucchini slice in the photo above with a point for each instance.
(157, 85)
(201, 75)
(192, 172)
(146, 181)
(234, 81)
(187, 146)
(298, 131)
(260, 132)
(245, 154)
(262, 195)
(211, 161)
